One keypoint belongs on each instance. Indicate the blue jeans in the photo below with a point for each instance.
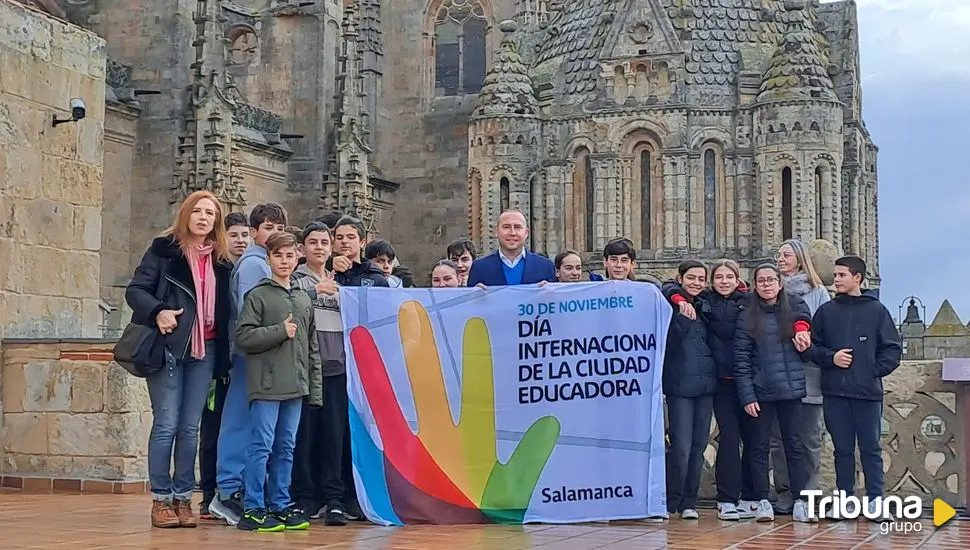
(272, 440)
(178, 393)
(233, 432)
(689, 421)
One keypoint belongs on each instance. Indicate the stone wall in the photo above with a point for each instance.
(50, 177)
(69, 413)
(923, 441)
(116, 259)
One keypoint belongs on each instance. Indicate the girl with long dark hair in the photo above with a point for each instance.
(769, 373)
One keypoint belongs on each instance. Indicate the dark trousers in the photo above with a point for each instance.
(209, 440)
(689, 420)
(323, 469)
(850, 420)
(732, 464)
(788, 415)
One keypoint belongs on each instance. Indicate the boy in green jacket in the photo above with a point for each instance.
(276, 331)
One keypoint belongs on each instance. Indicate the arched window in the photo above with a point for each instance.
(580, 203)
(646, 169)
(710, 203)
(503, 191)
(786, 203)
(459, 46)
(818, 202)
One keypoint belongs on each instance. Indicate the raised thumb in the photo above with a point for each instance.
(289, 318)
(179, 311)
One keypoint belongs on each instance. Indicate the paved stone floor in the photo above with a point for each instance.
(118, 522)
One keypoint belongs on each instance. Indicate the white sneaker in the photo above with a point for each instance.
(874, 509)
(800, 513)
(765, 512)
(689, 513)
(747, 509)
(727, 512)
(833, 512)
(656, 519)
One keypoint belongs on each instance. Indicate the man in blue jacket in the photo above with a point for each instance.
(512, 264)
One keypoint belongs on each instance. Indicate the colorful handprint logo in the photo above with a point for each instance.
(444, 473)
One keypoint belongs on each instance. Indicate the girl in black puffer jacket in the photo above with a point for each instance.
(769, 373)
(689, 381)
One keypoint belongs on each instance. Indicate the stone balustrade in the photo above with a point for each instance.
(71, 417)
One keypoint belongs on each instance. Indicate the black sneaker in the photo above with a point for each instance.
(293, 518)
(261, 521)
(353, 512)
(229, 510)
(334, 515)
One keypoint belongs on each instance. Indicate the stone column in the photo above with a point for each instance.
(625, 212)
(676, 203)
(537, 212)
(855, 229)
(744, 205)
(555, 191)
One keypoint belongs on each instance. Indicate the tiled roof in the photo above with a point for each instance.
(718, 28)
(507, 88)
(577, 36)
(797, 69)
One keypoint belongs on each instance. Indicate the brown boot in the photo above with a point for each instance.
(163, 516)
(187, 518)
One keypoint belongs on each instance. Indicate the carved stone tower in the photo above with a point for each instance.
(503, 143)
(205, 147)
(798, 125)
(348, 187)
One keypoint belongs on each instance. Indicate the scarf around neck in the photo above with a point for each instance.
(204, 276)
(798, 284)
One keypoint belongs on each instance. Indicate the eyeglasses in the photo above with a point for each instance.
(767, 282)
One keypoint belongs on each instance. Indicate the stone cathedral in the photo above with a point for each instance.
(697, 128)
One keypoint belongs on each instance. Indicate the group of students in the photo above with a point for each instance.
(250, 314)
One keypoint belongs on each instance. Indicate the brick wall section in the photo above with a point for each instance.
(71, 418)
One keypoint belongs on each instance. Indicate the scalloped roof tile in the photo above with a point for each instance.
(721, 26)
(577, 35)
(797, 69)
(507, 88)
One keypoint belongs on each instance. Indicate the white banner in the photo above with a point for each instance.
(512, 405)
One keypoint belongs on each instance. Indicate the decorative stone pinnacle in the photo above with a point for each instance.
(508, 26)
(794, 5)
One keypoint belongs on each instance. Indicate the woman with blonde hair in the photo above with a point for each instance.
(801, 279)
(181, 287)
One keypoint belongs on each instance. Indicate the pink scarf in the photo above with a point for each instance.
(200, 262)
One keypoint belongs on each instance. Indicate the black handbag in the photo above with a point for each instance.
(137, 351)
(141, 348)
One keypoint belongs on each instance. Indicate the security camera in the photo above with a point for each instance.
(78, 110)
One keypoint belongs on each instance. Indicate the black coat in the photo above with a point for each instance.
(721, 318)
(767, 367)
(689, 369)
(362, 274)
(864, 325)
(164, 273)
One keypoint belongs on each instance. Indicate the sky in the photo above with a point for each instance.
(915, 60)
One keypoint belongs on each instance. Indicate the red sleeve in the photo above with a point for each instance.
(677, 299)
(802, 326)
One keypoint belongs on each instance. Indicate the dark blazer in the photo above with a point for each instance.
(489, 271)
(163, 267)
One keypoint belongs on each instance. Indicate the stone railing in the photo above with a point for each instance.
(71, 419)
(923, 438)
